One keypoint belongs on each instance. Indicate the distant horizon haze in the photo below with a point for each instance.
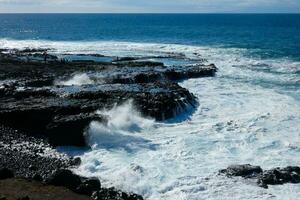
(151, 7)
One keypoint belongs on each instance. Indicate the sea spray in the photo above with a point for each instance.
(77, 79)
(123, 124)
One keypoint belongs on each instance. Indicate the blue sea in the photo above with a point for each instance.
(248, 113)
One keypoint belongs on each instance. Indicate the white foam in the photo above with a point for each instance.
(119, 131)
(77, 79)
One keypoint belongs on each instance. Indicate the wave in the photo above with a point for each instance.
(121, 130)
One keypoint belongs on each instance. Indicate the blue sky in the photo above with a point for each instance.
(152, 6)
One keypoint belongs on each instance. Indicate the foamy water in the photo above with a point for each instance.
(248, 113)
(77, 79)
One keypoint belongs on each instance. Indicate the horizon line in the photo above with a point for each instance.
(150, 13)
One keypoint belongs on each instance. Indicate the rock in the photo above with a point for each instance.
(113, 194)
(89, 186)
(280, 176)
(190, 71)
(24, 198)
(119, 59)
(6, 173)
(37, 177)
(66, 178)
(62, 113)
(139, 63)
(276, 176)
(32, 167)
(28, 157)
(76, 161)
(21, 153)
(62, 128)
(142, 74)
(242, 170)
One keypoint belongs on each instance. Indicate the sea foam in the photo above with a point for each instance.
(77, 79)
(121, 130)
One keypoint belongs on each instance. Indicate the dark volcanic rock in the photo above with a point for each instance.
(145, 74)
(64, 177)
(6, 173)
(24, 198)
(89, 186)
(31, 103)
(61, 113)
(279, 176)
(190, 71)
(138, 63)
(242, 170)
(113, 194)
(32, 158)
(276, 176)
(28, 157)
(36, 99)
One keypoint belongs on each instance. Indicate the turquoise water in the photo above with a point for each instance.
(248, 113)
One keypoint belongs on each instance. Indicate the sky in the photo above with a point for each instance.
(150, 6)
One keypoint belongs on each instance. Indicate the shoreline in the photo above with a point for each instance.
(39, 105)
(47, 103)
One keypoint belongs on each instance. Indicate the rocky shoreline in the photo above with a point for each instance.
(56, 97)
(33, 163)
(47, 101)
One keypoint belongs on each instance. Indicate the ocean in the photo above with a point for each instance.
(248, 113)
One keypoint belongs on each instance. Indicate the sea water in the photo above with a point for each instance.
(248, 113)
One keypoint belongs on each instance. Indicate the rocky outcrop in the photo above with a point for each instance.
(88, 186)
(279, 176)
(30, 101)
(33, 159)
(113, 194)
(29, 157)
(242, 170)
(63, 112)
(45, 107)
(276, 176)
(5, 173)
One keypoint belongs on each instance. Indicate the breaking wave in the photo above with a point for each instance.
(121, 130)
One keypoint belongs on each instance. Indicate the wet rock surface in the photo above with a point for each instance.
(48, 100)
(276, 176)
(59, 98)
(242, 170)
